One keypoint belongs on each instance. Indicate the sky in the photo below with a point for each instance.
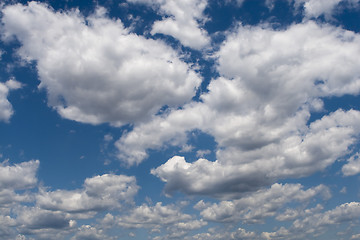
(192, 119)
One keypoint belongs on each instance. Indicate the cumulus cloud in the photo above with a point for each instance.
(6, 110)
(159, 218)
(218, 234)
(316, 8)
(53, 214)
(238, 171)
(314, 222)
(183, 21)
(255, 207)
(37, 218)
(103, 192)
(18, 176)
(258, 111)
(94, 69)
(6, 224)
(352, 167)
(152, 216)
(87, 232)
(13, 180)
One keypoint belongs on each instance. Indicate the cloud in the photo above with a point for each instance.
(159, 218)
(270, 83)
(202, 153)
(183, 21)
(352, 167)
(13, 180)
(6, 110)
(315, 223)
(53, 214)
(6, 224)
(100, 193)
(87, 232)
(152, 216)
(218, 234)
(94, 69)
(18, 176)
(317, 8)
(355, 236)
(37, 218)
(255, 207)
(238, 171)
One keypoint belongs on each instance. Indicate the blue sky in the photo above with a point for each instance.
(164, 119)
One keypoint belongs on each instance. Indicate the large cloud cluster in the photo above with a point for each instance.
(94, 69)
(258, 111)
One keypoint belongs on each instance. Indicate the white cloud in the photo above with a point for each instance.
(6, 226)
(219, 234)
(155, 216)
(202, 153)
(13, 180)
(282, 233)
(255, 207)
(344, 213)
(352, 167)
(163, 221)
(103, 192)
(9, 197)
(6, 110)
(316, 8)
(355, 236)
(184, 22)
(37, 218)
(98, 72)
(237, 171)
(258, 111)
(18, 176)
(87, 232)
(314, 222)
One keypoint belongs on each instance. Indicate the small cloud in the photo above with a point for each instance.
(202, 153)
(186, 148)
(13, 84)
(356, 236)
(108, 138)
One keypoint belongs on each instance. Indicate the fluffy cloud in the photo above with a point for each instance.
(152, 216)
(18, 176)
(15, 178)
(257, 206)
(99, 193)
(6, 224)
(352, 167)
(258, 111)
(159, 218)
(87, 232)
(94, 69)
(6, 110)
(238, 171)
(314, 222)
(183, 22)
(53, 214)
(217, 234)
(32, 218)
(316, 8)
